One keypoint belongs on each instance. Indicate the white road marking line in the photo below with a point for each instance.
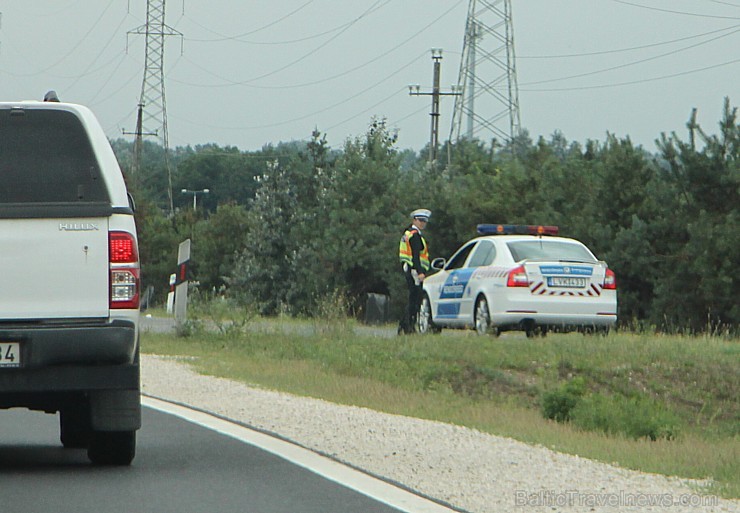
(326, 467)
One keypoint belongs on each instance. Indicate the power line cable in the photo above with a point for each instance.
(223, 37)
(66, 77)
(114, 34)
(373, 8)
(110, 77)
(116, 91)
(75, 47)
(286, 42)
(676, 12)
(612, 68)
(275, 43)
(393, 94)
(632, 82)
(724, 3)
(326, 109)
(326, 79)
(231, 83)
(45, 13)
(622, 50)
(411, 114)
(117, 124)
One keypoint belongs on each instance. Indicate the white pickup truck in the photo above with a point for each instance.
(69, 279)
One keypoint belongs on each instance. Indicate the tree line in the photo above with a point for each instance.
(286, 227)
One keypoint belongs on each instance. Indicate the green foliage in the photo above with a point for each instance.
(158, 242)
(217, 245)
(209, 312)
(289, 224)
(263, 271)
(476, 381)
(559, 404)
(634, 417)
(227, 173)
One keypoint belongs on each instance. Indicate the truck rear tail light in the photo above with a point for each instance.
(124, 288)
(517, 277)
(123, 248)
(124, 271)
(610, 280)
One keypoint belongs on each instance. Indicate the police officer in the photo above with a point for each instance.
(414, 255)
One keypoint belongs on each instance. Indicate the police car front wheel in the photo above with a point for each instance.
(483, 318)
(426, 324)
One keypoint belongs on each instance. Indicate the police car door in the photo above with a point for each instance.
(482, 256)
(451, 302)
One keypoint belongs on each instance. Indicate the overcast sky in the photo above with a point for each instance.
(248, 72)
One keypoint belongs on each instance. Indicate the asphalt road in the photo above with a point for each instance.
(180, 467)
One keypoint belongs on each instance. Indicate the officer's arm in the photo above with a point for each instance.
(416, 248)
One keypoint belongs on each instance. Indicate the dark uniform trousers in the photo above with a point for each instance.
(408, 322)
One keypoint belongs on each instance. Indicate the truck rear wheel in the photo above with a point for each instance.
(112, 447)
(74, 426)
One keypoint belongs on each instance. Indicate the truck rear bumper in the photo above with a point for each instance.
(65, 364)
(110, 394)
(73, 343)
(69, 378)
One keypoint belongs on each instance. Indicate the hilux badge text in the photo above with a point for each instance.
(78, 227)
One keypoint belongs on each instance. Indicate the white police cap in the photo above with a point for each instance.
(422, 214)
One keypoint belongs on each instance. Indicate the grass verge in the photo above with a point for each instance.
(686, 388)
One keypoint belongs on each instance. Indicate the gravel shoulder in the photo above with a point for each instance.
(470, 470)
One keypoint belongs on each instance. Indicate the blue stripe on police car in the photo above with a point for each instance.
(454, 286)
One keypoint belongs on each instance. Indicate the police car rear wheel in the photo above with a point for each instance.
(483, 318)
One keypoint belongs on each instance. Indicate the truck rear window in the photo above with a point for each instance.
(46, 158)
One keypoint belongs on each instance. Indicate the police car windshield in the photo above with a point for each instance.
(544, 249)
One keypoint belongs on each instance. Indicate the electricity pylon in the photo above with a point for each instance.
(154, 115)
(489, 100)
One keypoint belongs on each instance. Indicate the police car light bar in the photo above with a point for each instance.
(516, 229)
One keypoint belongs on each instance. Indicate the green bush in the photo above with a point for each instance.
(559, 404)
(635, 417)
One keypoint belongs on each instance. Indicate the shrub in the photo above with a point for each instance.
(559, 404)
(635, 417)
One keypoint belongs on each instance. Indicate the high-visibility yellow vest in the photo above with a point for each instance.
(404, 250)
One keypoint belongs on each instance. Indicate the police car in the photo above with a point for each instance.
(516, 277)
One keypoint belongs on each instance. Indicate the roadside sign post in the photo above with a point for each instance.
(181, 286)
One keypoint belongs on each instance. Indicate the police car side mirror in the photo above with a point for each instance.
(438, 263)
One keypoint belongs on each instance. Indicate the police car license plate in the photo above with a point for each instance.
(10, 354)
(566, 281)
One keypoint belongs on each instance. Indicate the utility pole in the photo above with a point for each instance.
(692, 126)
(154, 118)
(487, 80)
(435, 93)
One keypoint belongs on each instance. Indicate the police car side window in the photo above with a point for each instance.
(459, 259)
(484, 254)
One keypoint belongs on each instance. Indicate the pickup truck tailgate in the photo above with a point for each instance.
(54, 268)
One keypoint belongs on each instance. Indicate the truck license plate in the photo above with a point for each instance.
(10, 354)
(566, 281)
